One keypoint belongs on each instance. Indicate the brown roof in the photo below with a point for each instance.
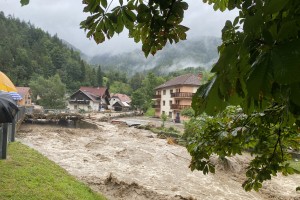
(187, 79)
(122, 97)
(23, 91)
(91, 96)
(97, 92)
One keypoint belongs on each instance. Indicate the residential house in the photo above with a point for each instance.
(89, 99)
(120, 102)
(25, 93)
(176, 94)
(121, 106)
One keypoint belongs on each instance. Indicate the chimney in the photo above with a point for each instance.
(200, 75)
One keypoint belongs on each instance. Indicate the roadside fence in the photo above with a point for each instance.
(8, 131)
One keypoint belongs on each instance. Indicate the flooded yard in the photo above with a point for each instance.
(127, 163)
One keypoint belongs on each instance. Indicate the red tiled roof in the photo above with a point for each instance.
(99, 91)
(122, 97)
(187, 79)
(23, 91)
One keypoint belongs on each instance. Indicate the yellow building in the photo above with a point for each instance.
(25, 93)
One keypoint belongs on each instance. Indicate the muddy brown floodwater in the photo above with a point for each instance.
(128, 163)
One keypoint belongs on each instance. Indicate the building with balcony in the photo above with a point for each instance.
(89, 99)
(175, 95)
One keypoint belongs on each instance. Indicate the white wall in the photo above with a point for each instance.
(113, 101)
(167, 98)
(94, 106)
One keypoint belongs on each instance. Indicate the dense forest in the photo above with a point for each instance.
(27, 51)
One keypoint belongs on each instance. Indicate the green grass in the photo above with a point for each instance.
(26, 174)
(295, 165)
(150, 112)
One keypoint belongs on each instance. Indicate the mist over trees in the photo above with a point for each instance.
(195, 53)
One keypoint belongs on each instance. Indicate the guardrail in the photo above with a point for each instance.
(8, 130)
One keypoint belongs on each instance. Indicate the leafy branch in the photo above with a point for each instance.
(233, 132)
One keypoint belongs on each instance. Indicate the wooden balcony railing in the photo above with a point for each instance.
(179, 107)
(157, 96)
(156, 106)
(182, 95)
(79, 101)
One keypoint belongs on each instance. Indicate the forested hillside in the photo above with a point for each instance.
(27, 51)
(191, 53)
(29, 54)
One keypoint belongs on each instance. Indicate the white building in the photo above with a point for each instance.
(89, 99)
(176, 94)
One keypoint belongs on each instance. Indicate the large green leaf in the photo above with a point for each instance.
(207, 98)
(295, 93)
(130, 15)
(286, 62)
(104, 3)
(274, 6)
(253, 24)
(288, 29)
(227, 59)
(218, 4)
(99, 37)
(259, 80)
(24, 2)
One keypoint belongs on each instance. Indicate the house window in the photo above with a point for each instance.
(171, 91)
(177, 90)
(170, 103)
(164, 92)
(163, 112)
(164, 103)
(170, 114)
(177, 102)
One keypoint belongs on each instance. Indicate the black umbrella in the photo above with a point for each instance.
(8, 108)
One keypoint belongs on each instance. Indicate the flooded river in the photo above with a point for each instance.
(128, 163)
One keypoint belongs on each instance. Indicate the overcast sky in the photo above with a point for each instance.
(62, 17)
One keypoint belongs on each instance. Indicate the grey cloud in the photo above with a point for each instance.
(63, 18)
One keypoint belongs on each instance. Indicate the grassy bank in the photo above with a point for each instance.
(295, 165)
(26, 174)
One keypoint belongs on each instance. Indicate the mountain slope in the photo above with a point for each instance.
(190, 53)
(26, 50)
